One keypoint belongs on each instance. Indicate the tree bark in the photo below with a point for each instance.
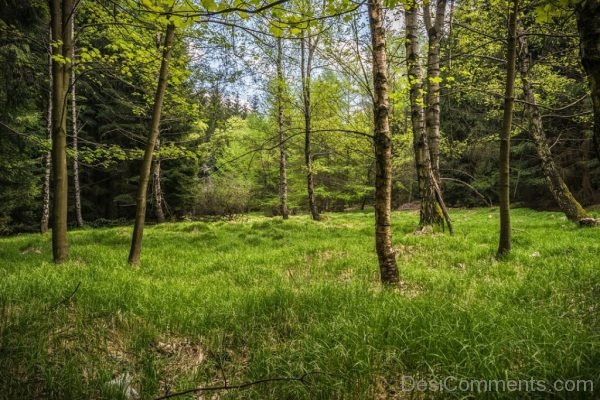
(504, 245)
(140, 215)
(587, 187)
(76, 186)
(383, 150)
(588, 24)
(561, 193)
(433, 210)
(61, 12)
(306, 55)
(47, 158)
(215, 114)
(432, 118)
(157, 188)
(283, 185)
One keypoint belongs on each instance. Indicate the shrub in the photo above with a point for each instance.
(223, 195)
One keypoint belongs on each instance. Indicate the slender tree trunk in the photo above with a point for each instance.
(417, 111)
(46, 192)
(504, 245)
(383, 149)
(449, 47)
(48, 156)
(432, 118)
(433, 210)
(156, 167)
(306, 61)
(587, 188)
(588, 24)
(76, 186)
(208, 166)
(61, 12)
(157, 188)
(283, 185)
(140, 215)
(561, 193)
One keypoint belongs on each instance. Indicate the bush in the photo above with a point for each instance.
(224, 196)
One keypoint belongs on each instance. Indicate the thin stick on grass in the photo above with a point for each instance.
(300, 379)
(66, 299)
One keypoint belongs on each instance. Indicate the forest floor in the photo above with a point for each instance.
(228, 303)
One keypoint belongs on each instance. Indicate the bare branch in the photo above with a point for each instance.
(301, 379)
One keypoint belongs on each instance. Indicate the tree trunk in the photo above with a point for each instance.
(432, 119)
(76, 187)
(157, 188)
(140, 215)
(47, 159)
(208, 166)
(561, 193)
(61, 12)
(587, 187)
(383, 150)
(283, 185)
(306, 66)
(588, 24)
(504, 245)
(433, 210)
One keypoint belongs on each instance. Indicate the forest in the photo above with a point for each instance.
(299, 199)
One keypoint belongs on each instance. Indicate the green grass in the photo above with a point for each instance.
(258, 298)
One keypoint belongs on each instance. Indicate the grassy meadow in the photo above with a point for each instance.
(230, 302)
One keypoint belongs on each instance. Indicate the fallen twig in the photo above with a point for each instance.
(66, 299)
(300, 379)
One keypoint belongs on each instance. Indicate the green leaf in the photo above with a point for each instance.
(209, 5)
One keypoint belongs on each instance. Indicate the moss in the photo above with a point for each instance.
(573, 210)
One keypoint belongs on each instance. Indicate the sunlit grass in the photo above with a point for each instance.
(258, 297)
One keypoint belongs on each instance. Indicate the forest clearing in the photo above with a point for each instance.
(259, 298)
(299, 199)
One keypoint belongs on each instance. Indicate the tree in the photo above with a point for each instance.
(588, 23)
(47, 158)
(157, 188)
(433, 210)
(504, 245)
(75, 132)
(283, 185)
(61, 13)
(561, 193)
(307, 49)
(383, 149)
(140, 214)
(434, 27)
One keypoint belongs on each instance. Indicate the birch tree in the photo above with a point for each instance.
(383, 148)
(433, 211)
(75, 132)
(283, 184)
